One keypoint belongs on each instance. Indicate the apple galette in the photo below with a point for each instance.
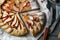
(12, 22)
(34, 22)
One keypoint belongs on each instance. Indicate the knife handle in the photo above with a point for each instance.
(45, 34)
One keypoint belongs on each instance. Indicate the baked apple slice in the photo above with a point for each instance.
(27, 7)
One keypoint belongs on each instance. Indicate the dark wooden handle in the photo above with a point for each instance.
(45, 34)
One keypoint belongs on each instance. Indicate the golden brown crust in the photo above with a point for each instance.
(19, 32)
(5, 26)
(13, 31)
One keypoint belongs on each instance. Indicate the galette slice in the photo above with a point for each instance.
(34, 23)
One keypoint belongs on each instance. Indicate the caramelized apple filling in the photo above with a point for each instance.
(13, 19)
(10, 6)
(29, 25)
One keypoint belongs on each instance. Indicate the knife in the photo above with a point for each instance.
(48, 25)
(47, 28)
(49, 18)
